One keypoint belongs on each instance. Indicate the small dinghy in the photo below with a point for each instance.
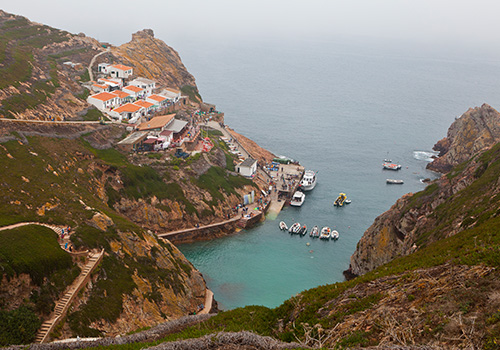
(394, 182)
(294, 228)
(302, 230)
(283, 226)
(335, 235)
(325, 233)
(314, 232)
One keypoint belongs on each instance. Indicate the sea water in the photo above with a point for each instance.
(340, 109)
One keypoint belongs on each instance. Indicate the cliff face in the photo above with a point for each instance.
(476, 130)
(459, 200)
(153, 59)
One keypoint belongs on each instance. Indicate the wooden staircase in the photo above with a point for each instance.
(63, 304)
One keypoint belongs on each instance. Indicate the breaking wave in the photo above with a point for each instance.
(427, 156)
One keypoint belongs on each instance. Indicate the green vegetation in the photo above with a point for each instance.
(192, 92)
(45, 256)
(18, 326)
(93, 114)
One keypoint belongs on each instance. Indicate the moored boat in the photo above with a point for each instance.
(394, 182)
(314, 232)
(302, 230)
(325, 233)
(335, 235)
(340, 200)
(391, 166)
(283, 226)
(308, 182)
(294, 228)
(298, 199)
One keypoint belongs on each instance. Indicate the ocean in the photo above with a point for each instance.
(340, 108)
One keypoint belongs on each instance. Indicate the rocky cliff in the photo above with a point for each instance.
(456, 201)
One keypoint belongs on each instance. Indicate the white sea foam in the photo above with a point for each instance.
(427, 156)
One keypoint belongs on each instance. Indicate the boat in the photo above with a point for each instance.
(335, 235)
(391, 166)
(314, 232)
(340, 200)
(308, 181)
(394, 182)
(294, 228)
(283, 226)
(347, 201)
(302, 230)
(325, 233)
(298, 199)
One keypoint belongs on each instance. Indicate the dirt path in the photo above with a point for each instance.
(91, 75)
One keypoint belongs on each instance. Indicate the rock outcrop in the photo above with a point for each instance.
(476, 130)
(412, 221)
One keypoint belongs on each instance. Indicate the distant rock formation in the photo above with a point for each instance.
(476, 130)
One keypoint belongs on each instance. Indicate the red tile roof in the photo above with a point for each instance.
(103, 96)
(128, 107)
(120, 94)
(156, 122)
(121, 67)
(144, 104)
(157, 98)
(133, 88)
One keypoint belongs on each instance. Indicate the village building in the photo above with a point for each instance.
(132, 142)
(100, 88)
(147, 85)
(129, 111)
(157, 100)
(157, 124)
(103, 68)
(247, 168)
(172, 94)
(148, 106)
(103, 100)
(114, 84)
(123, 96)
(166, 136)
(134, 91)
(120, 71)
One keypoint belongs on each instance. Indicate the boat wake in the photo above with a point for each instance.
(427, 156)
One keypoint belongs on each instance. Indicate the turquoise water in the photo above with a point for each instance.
(340, 109)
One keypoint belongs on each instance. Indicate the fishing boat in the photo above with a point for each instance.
(298, 199)
(283, 226)
(394, 182)
(314, 232)
(340, 200)
(308, 182)
(294, 228)
(302, 230)
(391, 166)
(325, 233)
(335, 235)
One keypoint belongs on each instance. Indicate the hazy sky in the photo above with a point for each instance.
(435, 22)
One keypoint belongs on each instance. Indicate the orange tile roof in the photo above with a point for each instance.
(109, 81)
(120, 94)
(144, 104)
(156, 122)
(121, 67)
(157, 98)
(103, 96)
(101, 86)
(128, 107)
(133, 88)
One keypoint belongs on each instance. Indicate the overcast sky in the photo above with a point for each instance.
(459, 22)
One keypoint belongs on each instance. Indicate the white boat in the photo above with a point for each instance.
(308, 181)
(298, 199)
(391, 166)
(394, 182)
(325, 233)
(347, 201)
(294, 228)
(283, 226)
(335, 235)
(314, 232)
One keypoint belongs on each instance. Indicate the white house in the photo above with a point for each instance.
(120, 71)
(157, 100)
(172, 94)
(114, 84)
(103, 100)
(129, 111)
(247, 168)
(134, 91)
(103, 68)
(144, 83)
(100, 88)
(123, 96)
(144, 104)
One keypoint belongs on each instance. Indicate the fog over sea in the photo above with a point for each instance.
(340, 108)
